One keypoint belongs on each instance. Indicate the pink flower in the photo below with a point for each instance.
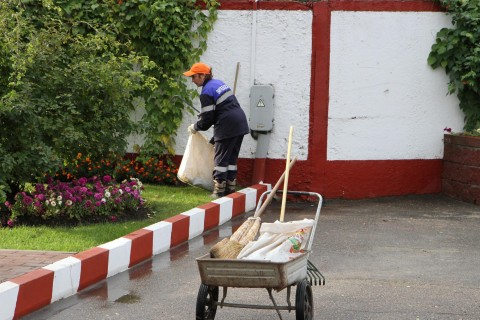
(10, 223)
(107, 179)
(113, 218)
(40, 197)
(449, 130)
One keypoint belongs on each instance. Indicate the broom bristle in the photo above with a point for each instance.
(251, 233)
(226, 249)
(230, 248)
(215, 249)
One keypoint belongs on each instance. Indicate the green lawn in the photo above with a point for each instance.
(166, 201)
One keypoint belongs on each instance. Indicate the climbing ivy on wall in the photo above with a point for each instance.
(457, 51)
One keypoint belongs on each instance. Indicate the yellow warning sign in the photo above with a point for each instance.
(260, 103)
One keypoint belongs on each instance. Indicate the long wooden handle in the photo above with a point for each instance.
(285, 183)
(274, 190)
(236, 77)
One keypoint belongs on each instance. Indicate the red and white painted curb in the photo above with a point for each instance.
(29, 292)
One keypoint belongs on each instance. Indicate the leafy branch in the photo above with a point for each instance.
(457, 50)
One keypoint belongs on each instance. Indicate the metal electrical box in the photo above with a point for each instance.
(261, 108)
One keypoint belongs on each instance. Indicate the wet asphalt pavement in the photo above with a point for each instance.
(409, 257)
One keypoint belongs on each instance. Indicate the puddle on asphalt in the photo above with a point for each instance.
(128, 298)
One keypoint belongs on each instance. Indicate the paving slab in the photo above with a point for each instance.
(14, 263)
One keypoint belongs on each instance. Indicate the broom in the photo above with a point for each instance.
(229, 248)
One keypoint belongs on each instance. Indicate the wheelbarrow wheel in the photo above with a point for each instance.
(304, 301)
(206, 306)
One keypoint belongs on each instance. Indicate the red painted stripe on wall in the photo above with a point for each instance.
(357, 5)
(35, 291)
(319, 95)
(94, 266)
(368, 179)
(260, 5)
(398, 6)
(142, 246)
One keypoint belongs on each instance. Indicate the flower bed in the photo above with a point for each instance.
(86, 200)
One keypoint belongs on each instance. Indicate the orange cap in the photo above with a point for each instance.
(196, 68)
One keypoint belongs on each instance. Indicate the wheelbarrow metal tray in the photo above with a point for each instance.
(252, 273)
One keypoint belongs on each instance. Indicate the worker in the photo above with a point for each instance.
(220, 109)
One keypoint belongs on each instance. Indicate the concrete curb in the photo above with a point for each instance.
(34, 290)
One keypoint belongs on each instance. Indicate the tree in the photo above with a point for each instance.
(72, 69)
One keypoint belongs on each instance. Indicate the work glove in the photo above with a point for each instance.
(191, 129)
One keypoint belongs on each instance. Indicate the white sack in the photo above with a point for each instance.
(279, 241)
(196, 167)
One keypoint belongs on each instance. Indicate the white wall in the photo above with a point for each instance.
(280, 56)
(385, 101)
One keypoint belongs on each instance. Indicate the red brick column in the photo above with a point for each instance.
(461, 168)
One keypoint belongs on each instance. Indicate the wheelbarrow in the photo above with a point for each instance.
(240, 273)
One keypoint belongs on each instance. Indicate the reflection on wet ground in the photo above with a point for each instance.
(112, 290)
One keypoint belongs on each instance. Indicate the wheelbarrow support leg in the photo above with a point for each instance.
(224, 292)
(274, 303)
(289, 290)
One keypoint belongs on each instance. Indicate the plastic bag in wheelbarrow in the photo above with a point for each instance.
(279, 241)
(196, 167)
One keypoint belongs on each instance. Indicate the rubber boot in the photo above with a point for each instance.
(218, 189)
(231, 184)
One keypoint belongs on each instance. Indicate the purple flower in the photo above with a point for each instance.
(107, 179)
(8, 205)
(39, 188)
(113, 218)
(27, 200)
(98, 203)
(449, 130)
(98, 196)
(88, 204)
(10, 223)
(82, 181)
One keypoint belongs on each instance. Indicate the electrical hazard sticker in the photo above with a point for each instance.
(261, 104)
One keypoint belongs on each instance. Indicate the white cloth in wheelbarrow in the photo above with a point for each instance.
(279, 241)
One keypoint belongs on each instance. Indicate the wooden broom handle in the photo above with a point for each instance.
(287, 170)
(274, 190)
